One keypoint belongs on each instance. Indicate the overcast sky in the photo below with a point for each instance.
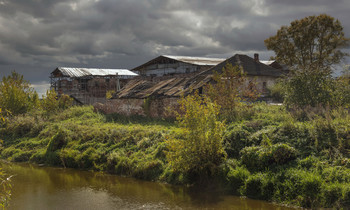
(36, 36)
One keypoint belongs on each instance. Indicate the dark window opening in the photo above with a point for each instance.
(264, 86)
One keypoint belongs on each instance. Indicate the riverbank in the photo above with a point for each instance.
(272, 154)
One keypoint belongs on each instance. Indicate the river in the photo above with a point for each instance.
(38, 188)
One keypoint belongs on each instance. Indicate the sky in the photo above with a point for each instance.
(36, 36)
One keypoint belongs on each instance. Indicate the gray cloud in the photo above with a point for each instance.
(38, 35)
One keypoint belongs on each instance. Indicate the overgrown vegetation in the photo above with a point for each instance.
(271, 155)
(5, 189)
(16, 95)
(200, 152)
(296, 154)
(231, 90)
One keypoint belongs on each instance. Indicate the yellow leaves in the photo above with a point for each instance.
(203, 132)
(109, 94)
(1, 116)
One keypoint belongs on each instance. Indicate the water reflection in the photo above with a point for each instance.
(57, 188)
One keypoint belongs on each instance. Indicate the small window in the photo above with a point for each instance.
(264, 86)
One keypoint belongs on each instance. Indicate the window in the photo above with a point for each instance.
(264, 86)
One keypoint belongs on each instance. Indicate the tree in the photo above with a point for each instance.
(310, 88)
(51, 103)
(313, 42)
(201, 151)
(16, 95)
(229, 89)
(342, 92)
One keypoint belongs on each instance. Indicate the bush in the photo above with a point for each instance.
(258, 186)
(331, 195)
(302, 187)
(261, 157)
(236, 178)
(277, 91)
(282, 153)
(235, 139)
(23, 126)
(149, 170)
(310, 88)
(69, 157)
(202, 151)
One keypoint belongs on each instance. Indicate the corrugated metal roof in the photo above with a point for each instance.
(82, 72)
(200, 61)
(196, 60)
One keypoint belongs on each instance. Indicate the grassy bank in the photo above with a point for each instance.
(272, 154)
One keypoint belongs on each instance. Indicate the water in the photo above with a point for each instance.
(38, 188)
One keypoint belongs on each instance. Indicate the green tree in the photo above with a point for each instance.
(51, 103)
(342, 92)
(201, 150)
(310, 88)
(314, 42)
(310, 46)
(16, 95)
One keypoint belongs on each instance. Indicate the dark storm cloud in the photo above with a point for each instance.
(38, 35)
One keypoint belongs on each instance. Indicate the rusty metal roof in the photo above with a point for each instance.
(82, 72)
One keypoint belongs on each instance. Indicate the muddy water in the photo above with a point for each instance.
(38, 188)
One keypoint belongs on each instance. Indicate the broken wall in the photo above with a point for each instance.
(152, 107)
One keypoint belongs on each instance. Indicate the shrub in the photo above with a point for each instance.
(258, 186)
(282, 153)
(302, 187)
(235, 139)
(345, 201)
(57, 141)
(236, 178)
(23, 125)
(261, 157)
(277, 91)
(202, 151)
(69, 157)
(331, 194)
(148, 170)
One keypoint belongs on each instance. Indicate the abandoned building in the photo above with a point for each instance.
(142, 96)
(154, 99)
(176, 66)
(88, 85)
(256, 71)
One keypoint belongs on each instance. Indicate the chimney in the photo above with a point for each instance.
(256, 57)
